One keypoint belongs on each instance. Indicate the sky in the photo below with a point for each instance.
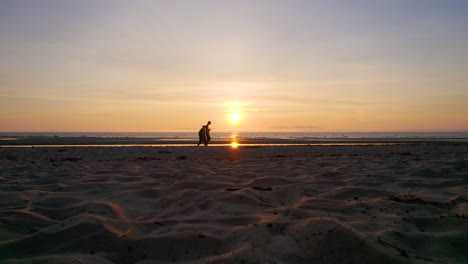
(245, 65)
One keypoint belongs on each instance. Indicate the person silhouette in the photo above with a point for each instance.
(208, 129)
(202, 136)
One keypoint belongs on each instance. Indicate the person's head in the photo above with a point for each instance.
(209, 122)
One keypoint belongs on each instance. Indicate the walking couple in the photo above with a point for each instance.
(204, 134)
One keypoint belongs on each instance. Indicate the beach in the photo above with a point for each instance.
(265, 139)
(382, 203)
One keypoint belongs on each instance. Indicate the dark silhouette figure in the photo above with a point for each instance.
(208, 129)
(204, 134)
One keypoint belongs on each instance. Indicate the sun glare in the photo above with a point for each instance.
(235, 117)
(234, 144)
(235, 111)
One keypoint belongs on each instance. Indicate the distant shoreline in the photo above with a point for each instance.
(153, 141)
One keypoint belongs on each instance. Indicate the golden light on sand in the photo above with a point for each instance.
(234, 144)
(235, 117)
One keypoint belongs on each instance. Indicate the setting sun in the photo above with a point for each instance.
(235, 117)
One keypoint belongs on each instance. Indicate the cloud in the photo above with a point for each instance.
(296, 127)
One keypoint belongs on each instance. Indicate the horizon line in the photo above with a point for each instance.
(250, 131)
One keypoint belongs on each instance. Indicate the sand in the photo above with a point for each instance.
(276, 204)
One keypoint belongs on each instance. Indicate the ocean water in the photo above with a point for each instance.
(194, 135)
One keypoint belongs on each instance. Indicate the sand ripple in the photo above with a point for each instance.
(327, 204)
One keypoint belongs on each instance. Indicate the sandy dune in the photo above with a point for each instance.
(289, 204)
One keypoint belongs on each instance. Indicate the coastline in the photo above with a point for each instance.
(154, 141)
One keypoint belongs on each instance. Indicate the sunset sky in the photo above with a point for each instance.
(141, 66)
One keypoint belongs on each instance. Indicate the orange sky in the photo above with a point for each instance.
(276, 66)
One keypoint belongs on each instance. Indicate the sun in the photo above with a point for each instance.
(235, 117)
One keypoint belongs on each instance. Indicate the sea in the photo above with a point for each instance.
(289, 135)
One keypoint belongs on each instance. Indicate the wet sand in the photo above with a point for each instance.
(152, 141)
(251, 204)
